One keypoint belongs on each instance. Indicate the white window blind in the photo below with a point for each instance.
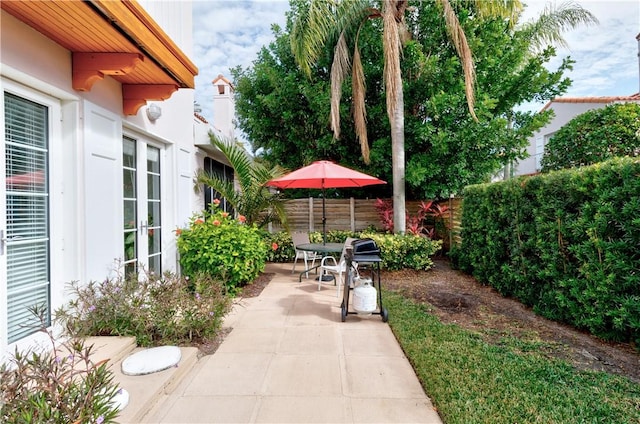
(27, 197)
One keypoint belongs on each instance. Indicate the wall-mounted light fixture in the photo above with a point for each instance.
(154, 112)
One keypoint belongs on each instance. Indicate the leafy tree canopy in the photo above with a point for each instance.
(286, 115)
(595, 136)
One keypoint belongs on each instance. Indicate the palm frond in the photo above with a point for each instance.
(321, 24)
(310, 32)
(225, 187)
(359, 111)
(508, 9)
(237, 156)
(339, 68)
(547, 29)
(459, 40)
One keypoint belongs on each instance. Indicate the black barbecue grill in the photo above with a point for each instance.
(366, 254)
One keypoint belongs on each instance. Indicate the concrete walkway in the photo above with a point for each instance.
(289, 359)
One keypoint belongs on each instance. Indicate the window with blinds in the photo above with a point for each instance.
(27, 215)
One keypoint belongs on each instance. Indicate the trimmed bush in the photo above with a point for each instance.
(595, 136)
(405, 251)
(397, 251)
(223, 248)
(566, 243)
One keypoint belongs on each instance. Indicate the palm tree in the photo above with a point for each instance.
(258, 204)
(320, 22)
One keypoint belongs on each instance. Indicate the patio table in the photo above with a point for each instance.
(324, 248)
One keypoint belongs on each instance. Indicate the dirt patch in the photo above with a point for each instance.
(457, 298)
(254, 289)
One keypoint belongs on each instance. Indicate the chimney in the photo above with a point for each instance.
(223, 106)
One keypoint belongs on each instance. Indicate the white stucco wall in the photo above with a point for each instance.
(86, 154)
(564, 112)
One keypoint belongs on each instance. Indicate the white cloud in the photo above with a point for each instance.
(227, 34)
(605, 55)
(230, 33)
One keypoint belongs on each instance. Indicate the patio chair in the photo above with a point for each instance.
(303, 238)
(336, 268)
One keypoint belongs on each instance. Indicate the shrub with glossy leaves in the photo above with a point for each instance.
(284, 251)
(566, 243)
(405, 251)
(595, 136)
(222, 247)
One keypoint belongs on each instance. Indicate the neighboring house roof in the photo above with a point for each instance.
(201, 118)
(115, 38)
(602, 99)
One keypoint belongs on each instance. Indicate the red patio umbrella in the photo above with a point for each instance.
(324, 174)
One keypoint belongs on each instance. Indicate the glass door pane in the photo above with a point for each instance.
(130, 205)
(26, 239)
(153, 210)
(142, 206)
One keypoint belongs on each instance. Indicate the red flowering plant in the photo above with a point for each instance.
(224, 247)
(425, 222)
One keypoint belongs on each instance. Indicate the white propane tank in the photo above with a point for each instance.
(364, 296)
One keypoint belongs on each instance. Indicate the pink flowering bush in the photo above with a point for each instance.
(156, 309)
(60, 384)
(223, 247)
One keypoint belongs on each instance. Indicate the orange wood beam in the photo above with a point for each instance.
(134, 96)
(88, 68)
(131, 17)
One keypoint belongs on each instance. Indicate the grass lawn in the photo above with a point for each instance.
(470, 381)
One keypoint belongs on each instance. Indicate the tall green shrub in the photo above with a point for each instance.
(223, 247)
(595, 136)
(566, 243)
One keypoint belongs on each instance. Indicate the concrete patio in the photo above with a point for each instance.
(290, 359)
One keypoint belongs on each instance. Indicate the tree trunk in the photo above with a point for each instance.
(397, 162)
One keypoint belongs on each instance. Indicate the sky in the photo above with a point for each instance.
(230, 33)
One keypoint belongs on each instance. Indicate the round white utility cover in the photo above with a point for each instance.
(151, 360)
(120, 400)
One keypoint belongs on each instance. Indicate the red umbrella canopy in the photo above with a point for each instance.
(324, 174)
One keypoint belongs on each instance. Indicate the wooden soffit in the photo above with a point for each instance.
(111, 37)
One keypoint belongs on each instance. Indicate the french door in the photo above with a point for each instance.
(24, 216)
(142, 206)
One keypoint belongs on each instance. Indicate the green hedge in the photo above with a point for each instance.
(566, 243)
(397, 251)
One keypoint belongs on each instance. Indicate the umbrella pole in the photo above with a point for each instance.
(324, 221)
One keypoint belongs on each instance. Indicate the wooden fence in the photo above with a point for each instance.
(358, 214)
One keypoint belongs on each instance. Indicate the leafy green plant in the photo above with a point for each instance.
(222, 247)
(254, 201)
(565, 243)
(284, 251)
(59, 385)
(405, 251)
(397, 251)
(595, 136)
(159, 309)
